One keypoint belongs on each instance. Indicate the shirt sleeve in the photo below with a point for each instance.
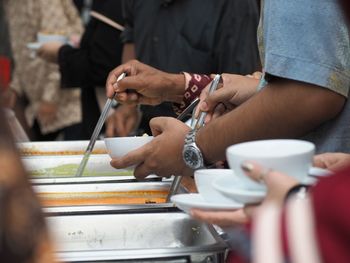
(307, 41)
(127, 35)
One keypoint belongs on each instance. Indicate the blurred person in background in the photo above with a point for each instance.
(88, 66)
(193, 36)
(23, 233)
(50, 110)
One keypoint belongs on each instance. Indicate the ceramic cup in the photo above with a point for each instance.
(204, 180)
(119, 146)
(293, 157)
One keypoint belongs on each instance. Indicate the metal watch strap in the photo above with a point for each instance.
(191, 137)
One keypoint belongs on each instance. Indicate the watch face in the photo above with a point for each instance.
(192, 158)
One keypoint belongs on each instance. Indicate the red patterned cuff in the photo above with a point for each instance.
(195, 83)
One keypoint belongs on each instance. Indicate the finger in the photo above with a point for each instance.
(142, 171)
(113, 76)
(219, 110)
(319, 161)
(218, 96)
(135, 83)
(132, 158)
(157, 125)
(221, 218)
(276, 182)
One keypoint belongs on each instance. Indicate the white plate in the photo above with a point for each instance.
(34, 45)
(186, 202)
(236, 193)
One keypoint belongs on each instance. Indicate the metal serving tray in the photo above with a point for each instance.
(59, 147)
(107, 187)
(145, 237)
(62, 169)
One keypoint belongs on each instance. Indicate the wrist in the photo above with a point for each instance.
(175, 87)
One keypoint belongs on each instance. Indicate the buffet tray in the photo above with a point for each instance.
(62, 169)
(96, 189)
(59, 148)
(142, 237)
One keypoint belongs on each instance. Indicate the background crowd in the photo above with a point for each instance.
(286, 76)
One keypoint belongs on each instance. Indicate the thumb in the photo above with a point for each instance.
(157, 125)
(213, 99)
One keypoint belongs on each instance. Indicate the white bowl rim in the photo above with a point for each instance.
(232, 149)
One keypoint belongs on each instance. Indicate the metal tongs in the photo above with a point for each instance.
(195, 125)
(97, 131)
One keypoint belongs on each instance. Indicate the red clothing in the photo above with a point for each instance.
(330, 198)
(5, 71)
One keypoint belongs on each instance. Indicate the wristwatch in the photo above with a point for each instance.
(191, 154)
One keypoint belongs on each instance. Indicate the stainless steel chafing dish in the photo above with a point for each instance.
(143, 237)
(61, 169)
(72, 189)
(59, 148)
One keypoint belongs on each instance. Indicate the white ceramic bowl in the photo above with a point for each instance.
(44, 38)
(293, 157)
(119, 146)
(205, 178)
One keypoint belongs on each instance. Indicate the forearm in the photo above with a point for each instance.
(128, 52)
(285, 109)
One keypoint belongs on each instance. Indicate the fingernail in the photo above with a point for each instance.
(204, 106)
(247, 167)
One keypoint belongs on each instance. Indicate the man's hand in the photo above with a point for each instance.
(332, 161)
(144, 84)
(163, 155)
(235, 90)
(123, 121)
(49, 51)
(47, 112)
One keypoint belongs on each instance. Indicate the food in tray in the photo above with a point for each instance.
(34, 152)
(69, 170)
(102, 198)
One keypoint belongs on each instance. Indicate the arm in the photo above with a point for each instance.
(128, 52)
(283, 109)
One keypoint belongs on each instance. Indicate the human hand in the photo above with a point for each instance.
(278, 185)
(332, 161)
(123, 121)
(49, 51)
(161, 156)
(47, 112)
(144, 84)
(235, 90)
(75, 40)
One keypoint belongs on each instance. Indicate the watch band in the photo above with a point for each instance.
(191, 137)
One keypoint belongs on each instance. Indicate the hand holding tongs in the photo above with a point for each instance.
(97, 131)
(195, 126)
